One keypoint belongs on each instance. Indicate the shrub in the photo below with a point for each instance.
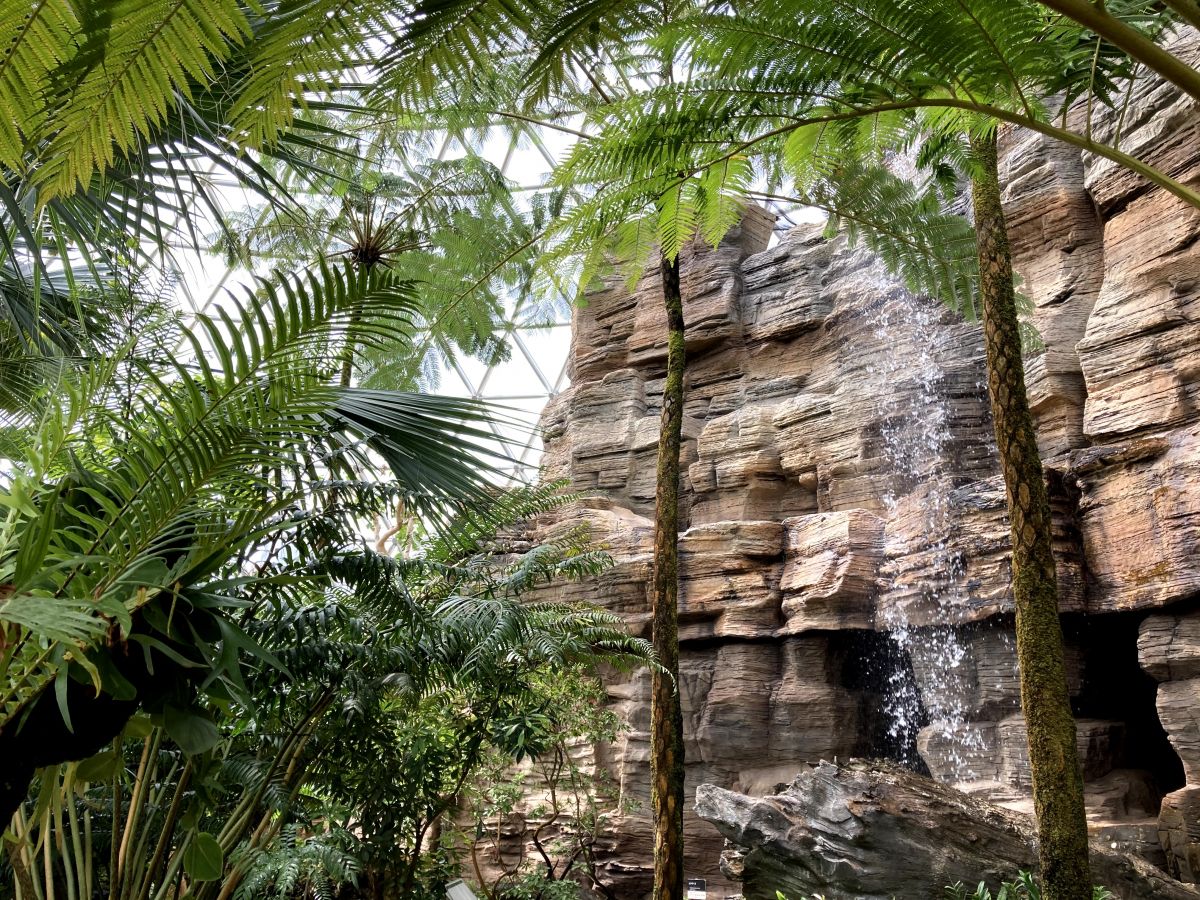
(1024, 888)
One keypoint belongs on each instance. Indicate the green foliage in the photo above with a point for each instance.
(536, 885)
(134, 56)
(825, 119)
(204, 860)
(454, 226)
(319, 864)
(301, 50)
(376, 704)
(1025, 887)
(908, 228)
(119, 505)
(555, 797)
(37, 39)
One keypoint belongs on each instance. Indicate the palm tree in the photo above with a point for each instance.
(453, 225)
(119, 515)
(555, 59)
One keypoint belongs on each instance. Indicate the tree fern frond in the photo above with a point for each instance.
(907, 227)
(301, 48)
(36, 39)
(439, 41)
(122, 85)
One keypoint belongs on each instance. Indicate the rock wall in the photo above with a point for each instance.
(844, 564)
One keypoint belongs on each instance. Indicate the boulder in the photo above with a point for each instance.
(875, 831)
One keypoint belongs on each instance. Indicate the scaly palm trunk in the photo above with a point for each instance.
(666, 714)
(1045, 699)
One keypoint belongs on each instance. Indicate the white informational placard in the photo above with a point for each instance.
(697, 889)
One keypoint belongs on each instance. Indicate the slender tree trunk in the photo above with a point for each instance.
(1045, 699)
(666, 714)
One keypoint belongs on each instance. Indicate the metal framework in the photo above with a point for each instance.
(519, 386)
(536, 369)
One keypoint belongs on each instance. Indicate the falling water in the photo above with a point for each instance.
(916, 435)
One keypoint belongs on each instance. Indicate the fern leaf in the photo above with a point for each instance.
(36, 39)
(301, 48)
(53, 618)
(123, 83)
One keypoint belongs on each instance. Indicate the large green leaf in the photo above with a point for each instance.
(439, 448)
(134, 59)
(204, 860)
(35, 39)
(192, 731)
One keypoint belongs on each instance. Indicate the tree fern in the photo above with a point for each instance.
(452, 225)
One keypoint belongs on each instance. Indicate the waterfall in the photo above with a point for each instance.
(936, 684)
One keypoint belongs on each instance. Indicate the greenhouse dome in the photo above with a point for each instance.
(599, 450)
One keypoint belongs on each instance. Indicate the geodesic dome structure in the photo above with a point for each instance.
(539, 337)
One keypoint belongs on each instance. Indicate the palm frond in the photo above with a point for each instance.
(440, 448)
(195, 479)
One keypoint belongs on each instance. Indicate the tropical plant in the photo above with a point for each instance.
(1045, 694)
(551, 807)
(667, 797)
(148, 503)
(1025, 887)
(452, 225)
(821, 155)
(1124, 26)
(127, 524)
(385, 687)
(455, 671)
(500, 663)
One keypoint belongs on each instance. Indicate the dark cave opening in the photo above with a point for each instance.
(892, 713)
(1116, 688)
(1113, 695)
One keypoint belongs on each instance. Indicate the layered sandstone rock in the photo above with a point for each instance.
(845, 557)
(1169, 649)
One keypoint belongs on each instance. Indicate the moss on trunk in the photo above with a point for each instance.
(666, 735)
(1045, 699)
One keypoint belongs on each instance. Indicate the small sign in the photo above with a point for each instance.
(697, 889)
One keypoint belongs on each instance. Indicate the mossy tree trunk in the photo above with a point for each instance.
(666, 714)
(1045, 698)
